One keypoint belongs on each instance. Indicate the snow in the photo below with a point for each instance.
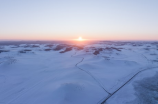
(29, 74)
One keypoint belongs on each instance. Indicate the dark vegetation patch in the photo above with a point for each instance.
(136, 45)
(119, 44)
(100, 49)
(59, 47)
(97, 51)
(115, 43)
(153, 54)
(113, 48)
(14, 47)
(26, 46)
(147, 49)
(155, 60)
(22, 51)
(25, 50)
(117, 49)
(79, 47)
(35, 46)
(107, 58)
(31, 46)
(93, 48)
(50, 45)
(66, 50)
(87, 50)
(154, 43)
(47, 49)
(146, 91)
(4, 51)
(140, 45)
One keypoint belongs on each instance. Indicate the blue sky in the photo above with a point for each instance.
(69, 19)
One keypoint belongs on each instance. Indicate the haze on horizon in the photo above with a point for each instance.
(70, 19)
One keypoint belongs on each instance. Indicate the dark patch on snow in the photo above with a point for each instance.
(27, 50)
(31, 46)
(26, 46)
(153, 54)
(34, 46)
(79, 47)
(155, 60)
(4, 51)
(66, 50)
(47, 49)
(22, 51)
(50, 45)
(59, 47)
(113, 48)
(146, 48)
(146, 91)
(97, 51)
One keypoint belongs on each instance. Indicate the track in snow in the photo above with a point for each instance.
(91, 76)
(125, 84)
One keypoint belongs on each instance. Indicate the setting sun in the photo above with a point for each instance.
(80, 39)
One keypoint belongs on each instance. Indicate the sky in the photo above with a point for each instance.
(70, 19)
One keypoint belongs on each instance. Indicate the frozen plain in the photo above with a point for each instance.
(68, 73)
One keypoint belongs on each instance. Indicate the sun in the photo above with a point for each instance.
(80, 39)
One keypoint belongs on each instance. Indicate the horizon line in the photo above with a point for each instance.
(72, 40)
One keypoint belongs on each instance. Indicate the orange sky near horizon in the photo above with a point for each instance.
(73, 37)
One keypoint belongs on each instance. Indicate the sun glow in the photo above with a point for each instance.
(80, 39)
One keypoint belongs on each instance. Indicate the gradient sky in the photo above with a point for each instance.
(69, 19)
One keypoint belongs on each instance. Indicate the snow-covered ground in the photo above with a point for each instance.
(68, 73)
